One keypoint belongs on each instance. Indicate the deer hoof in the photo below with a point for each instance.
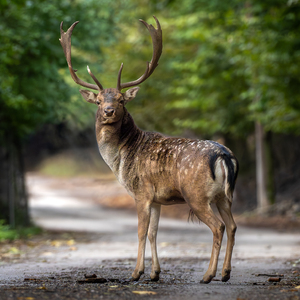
(208, 280)
(155, 276)
(135, 277)
(226, 276)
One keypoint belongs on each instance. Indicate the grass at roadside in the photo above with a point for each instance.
(74, 163)
(10, 234)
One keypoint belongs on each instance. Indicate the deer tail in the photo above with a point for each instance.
(229, 167)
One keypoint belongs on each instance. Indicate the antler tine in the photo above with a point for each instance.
(156, 35)
(65, 41)
(141, 79)
(119, 78)
(94, 78)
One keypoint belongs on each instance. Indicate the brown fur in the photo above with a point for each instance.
(158, 170)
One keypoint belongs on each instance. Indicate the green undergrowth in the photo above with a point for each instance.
(9, 234)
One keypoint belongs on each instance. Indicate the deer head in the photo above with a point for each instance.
(111, 101)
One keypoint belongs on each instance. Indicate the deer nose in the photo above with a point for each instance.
(109, 111)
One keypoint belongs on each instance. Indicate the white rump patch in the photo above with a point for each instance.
(221, 173)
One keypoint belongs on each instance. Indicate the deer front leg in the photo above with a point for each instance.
(143, 211)
(152, 234)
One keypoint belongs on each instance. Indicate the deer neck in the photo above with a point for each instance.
(116, 139)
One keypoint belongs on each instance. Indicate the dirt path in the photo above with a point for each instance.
(96, 240)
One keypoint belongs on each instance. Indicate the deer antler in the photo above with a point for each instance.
(156, 35)
(65, 40)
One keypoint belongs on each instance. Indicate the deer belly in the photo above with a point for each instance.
(165, 197)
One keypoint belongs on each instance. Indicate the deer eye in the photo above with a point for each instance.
(98, 102)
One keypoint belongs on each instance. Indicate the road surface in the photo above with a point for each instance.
(107, 246)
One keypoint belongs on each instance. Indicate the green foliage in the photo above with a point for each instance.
(33, 90)
(6, 233)
(224, 64)
(236, 64)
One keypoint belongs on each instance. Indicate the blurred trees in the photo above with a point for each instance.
(32, 86)
(229, 68)
(242, 70)
(226, 66)
(239, 63)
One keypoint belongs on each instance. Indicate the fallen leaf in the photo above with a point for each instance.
(164, 244)
(14, 250)
(270, 275)
(70, 242)
(48, 253)
(297, 287)
(56, 243)
(144, 292)
(90, 276)
(274, 279)
(289, 290)
(32, 279)
(93, 280)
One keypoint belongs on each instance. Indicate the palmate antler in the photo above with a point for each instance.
(156, 35)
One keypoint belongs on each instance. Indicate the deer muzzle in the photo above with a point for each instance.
(109, 111)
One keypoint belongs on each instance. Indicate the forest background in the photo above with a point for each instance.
(230, 71)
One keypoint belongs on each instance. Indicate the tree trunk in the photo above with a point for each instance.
(13, 196)
(261, 170)
(269, 159)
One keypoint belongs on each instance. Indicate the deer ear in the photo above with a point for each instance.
(131, 93)
(88, 96)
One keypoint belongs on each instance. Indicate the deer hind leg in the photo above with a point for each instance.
(224, 207)
(143, 212)
(152, 234)
(207, 216)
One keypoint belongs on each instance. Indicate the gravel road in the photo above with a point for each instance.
(89, 239)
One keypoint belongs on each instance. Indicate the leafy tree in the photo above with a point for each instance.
(33, 90)
(226, 66)
(238, 62)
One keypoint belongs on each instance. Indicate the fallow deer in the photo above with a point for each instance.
(158, 170)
